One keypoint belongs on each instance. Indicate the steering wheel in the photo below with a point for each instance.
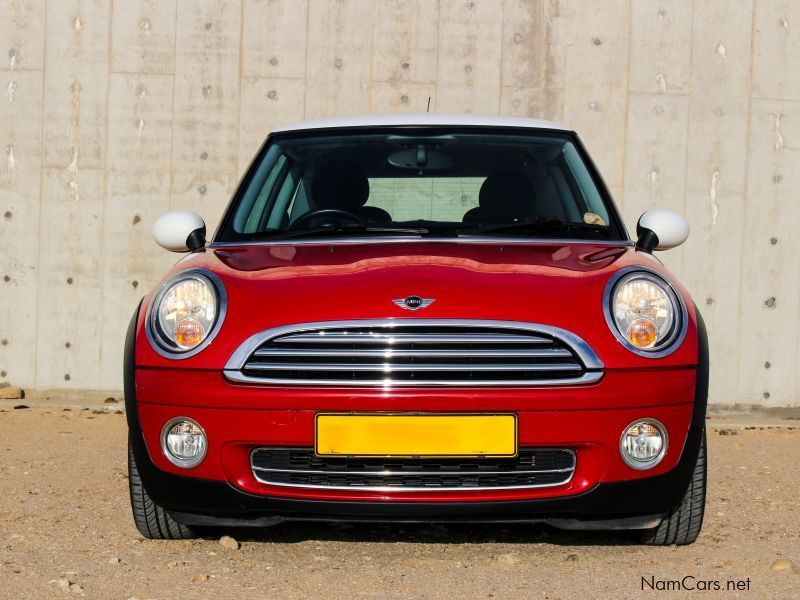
(323, 217)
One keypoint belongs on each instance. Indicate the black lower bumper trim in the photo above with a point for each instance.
(624, 523)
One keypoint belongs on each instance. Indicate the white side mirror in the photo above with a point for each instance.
(180, 231)
(661, 229)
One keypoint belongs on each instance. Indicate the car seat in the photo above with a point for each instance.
(505, 196)
(343, 185)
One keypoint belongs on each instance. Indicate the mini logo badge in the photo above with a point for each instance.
(413, 302)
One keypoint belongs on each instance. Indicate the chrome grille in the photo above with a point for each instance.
(300, 467)
(415, 352)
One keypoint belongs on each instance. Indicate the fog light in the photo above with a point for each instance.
(643, 444)
(183, 442)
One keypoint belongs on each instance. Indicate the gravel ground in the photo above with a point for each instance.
(66, 530)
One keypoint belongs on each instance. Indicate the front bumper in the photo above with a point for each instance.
(632, 504)
(604, 493)
(602, 488)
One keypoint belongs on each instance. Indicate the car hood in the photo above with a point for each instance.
(554, 283)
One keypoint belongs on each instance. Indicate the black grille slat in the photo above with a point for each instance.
(301, 467)
(409, 353)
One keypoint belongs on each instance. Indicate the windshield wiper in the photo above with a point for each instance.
(542, 225)
(349, 228)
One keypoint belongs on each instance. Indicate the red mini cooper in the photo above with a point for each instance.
(419, 318)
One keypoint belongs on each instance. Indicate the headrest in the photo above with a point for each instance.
(340, 184)
(506, 195)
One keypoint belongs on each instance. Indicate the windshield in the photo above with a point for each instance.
(430, 183)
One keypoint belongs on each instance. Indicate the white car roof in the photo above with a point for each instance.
(406, 119)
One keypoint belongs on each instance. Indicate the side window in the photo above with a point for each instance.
(566, 195)
(586, 188)
(284, 199)
(254, 218)
(260, 193)
(300, 203)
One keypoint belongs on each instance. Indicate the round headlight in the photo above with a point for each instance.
(643, 444)
(645, 313)
(186, 313)
(183, 442)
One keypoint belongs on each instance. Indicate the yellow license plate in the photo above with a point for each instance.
(430, 435)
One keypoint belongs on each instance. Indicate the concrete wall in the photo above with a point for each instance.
(113, 113)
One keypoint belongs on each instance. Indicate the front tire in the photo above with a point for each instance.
(152, 521)
(682, 525)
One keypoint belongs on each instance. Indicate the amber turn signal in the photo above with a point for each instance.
(188, 333)
(642, 333)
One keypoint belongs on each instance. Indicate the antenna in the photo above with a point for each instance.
(429, 104)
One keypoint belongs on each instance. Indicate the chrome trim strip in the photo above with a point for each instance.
(477, 239)
(377, 353)
(683, 315)
(422, 489)
(585, 379)
(410, 338)
(584, 352)
(411, 473)
(222, 299)
(388, 488)
(402, 368)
